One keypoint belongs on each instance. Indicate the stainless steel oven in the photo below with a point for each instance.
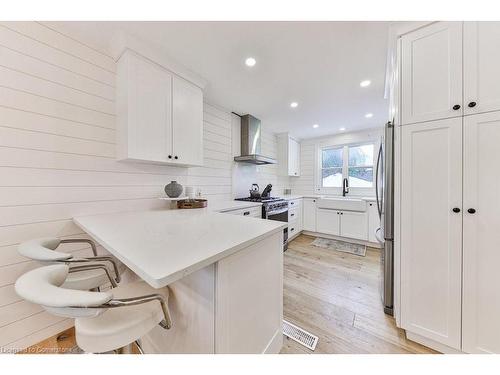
(277, 211)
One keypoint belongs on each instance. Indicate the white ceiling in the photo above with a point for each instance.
(317, 64)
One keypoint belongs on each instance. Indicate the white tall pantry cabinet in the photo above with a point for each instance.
(481, 234)
(450, 186)
(431, 235)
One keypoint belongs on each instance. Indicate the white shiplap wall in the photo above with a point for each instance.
(57, 147)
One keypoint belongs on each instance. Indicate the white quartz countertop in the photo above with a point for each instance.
(165, 245)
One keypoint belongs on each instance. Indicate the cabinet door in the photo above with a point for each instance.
(481, 67)
(328, 221)
(481, 255)
(149, 110)
(187, 122)
(432, 73)
(353, 225)
(293, 157)
(373, 221)
(431, 233)
(309, 214)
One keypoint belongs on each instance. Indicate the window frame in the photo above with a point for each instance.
(353, 191)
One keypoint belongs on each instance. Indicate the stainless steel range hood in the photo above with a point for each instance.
(250, 142)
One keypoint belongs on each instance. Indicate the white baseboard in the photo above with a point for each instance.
(431, 343)
(276, 343)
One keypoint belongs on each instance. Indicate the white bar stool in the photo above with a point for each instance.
(104, 321)
(86, 273)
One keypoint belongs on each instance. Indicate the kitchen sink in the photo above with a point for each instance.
(341, 203)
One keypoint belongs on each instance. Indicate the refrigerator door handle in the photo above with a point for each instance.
(378, 236)
(379, 201)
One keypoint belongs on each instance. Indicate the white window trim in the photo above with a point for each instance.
(353, 191)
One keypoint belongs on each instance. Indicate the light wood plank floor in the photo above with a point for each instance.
(335, 296)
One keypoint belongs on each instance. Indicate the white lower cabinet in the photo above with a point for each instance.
(431, 232)
(309, 214)
(353, 224)
(481, 235)
(294, 218)
(328, 221)
(250, 212)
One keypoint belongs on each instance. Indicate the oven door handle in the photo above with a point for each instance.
(269, 213)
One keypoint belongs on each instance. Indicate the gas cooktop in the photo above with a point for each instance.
(263, 200)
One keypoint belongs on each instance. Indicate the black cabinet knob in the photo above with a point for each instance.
(471, 211)
(456, 107)
(175, 157)
(246, 213)
(456, 210)
(472, 104)
(170, 156)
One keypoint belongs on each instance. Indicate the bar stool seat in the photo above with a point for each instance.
(85, 280)
(116, 328)
(104, 321)
(89, 272)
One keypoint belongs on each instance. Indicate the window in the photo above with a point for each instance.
(354, 162)
(360, 168)
(331, 167)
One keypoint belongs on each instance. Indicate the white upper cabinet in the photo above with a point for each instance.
(159, 115)
(481, 236)
(431, 230)
(288, 156)
(187, 122)
(481, 67)
(144, 110)
(293, 157)
(432, 73)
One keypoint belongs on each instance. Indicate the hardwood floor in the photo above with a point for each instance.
(335, 296)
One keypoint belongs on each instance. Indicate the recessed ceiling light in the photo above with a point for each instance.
(342, 129)
(315, 126)
(365, 83)
(369, 115)
(250, 61)
(294, 104)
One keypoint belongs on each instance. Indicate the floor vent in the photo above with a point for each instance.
(298, 334)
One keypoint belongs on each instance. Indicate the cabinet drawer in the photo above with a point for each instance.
(294, 228)
(251, 212)
(294, 203)
(294, 214)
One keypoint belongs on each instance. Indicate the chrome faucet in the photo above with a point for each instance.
(345, 187)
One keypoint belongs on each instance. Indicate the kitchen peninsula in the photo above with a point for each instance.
(224, 273)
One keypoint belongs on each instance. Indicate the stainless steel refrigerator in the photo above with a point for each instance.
(384, 188)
